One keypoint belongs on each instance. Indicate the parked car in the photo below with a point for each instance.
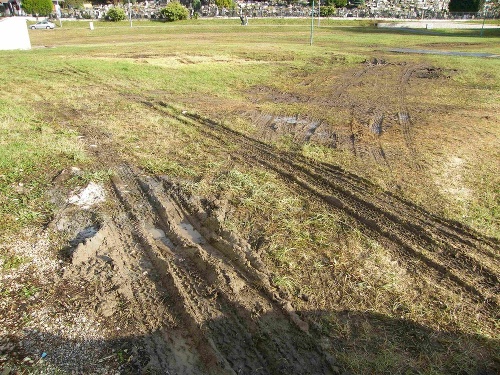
(43, 25)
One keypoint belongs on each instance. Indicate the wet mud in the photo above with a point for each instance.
(198, 295)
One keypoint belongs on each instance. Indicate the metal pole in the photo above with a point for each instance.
(312, 24)
(129, 13)
(319, 11)
(484, 19)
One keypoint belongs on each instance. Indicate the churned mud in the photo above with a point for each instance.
(196, 294)
(373, 101)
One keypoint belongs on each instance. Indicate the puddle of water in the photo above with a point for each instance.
(84, 234)
(192, 233)
(312, 128)
(159, 235)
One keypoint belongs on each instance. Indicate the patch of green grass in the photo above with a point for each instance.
(31, 153)
(10, 261)
(28, 291)
(171, 168)
(86, 176)
(285, 282)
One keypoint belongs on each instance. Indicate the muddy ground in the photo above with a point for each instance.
(150, 280)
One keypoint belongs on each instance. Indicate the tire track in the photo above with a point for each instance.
(416, 238)
(214, 296)
(403, 113)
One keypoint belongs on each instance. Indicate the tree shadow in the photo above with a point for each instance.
(341, 342)
(452, 33)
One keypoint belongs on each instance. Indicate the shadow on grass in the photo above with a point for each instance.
(355, 343)
(455, 33)
(368, 342)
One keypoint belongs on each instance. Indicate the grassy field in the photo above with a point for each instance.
(422, 128)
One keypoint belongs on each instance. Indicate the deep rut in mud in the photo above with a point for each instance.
(200, 297)
(451, 252)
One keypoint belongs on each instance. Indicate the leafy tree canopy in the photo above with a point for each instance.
(465, 5)
(196, 5)
(356, 3)
(331, 3)
(228, 4)
(335, 3)
(327, 11)
(73, 4)
(40, 7)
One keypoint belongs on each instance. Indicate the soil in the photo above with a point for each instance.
(150, 281)
(375, 103)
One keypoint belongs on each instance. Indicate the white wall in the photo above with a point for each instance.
(14, 34)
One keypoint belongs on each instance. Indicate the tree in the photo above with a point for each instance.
(333, 3)
(356, 3)
(73, 4)
(228, 4)
(116, 14)
(340, 3)
(327, 11)
(196, 5)
(174, 11)
(40, 7)
(472, 6)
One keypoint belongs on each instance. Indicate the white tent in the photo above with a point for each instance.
(14, 34)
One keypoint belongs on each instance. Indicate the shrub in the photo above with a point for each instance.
(228, 4)
(116, 14)
(327, 11)
(40, 7)
(174, 11)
